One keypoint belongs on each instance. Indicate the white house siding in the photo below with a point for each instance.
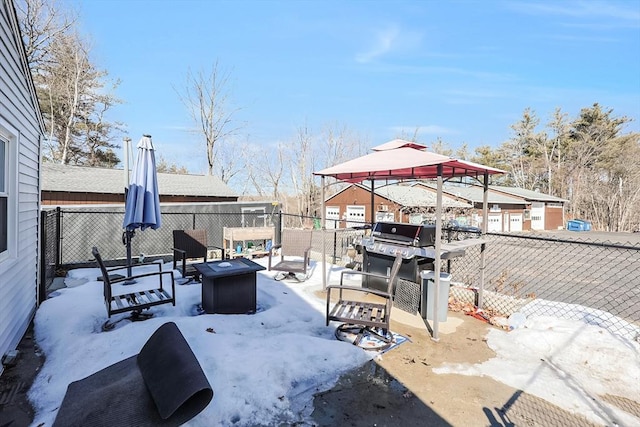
(21, 124)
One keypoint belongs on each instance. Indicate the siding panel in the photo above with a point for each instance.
(18, 110)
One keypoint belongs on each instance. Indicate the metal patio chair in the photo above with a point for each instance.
(136, 300)
(293, 260)
(363, 311)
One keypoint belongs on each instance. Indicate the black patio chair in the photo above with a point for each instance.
(191, 247)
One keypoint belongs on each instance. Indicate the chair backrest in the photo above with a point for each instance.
(105, 274)
(296, 242)
(193, 242)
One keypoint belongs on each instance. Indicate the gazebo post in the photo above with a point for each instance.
(324, 235)
(437, 262)
(372, 215)
(483, 246)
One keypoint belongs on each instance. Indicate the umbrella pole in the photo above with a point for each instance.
(128, 235)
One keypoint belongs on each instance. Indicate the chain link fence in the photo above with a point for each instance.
(76, 231)
(572, 277)
(49, 250)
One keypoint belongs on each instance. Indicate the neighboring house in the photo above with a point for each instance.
(396, 202)
(79, 185)
(510, 208)
(546, 212)
(21, 130)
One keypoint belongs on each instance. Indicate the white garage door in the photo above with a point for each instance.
(537, 216)
(515, 222)
(494, 223)
(332, 217)
(355, 216)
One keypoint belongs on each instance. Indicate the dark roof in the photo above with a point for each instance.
(82, 179)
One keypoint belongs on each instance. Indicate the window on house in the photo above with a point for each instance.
(4, 196)
(254, 217)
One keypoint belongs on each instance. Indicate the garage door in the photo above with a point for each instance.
(494, 223)
(355, 216)
(515, 222)
(537, 216)
(332, 217)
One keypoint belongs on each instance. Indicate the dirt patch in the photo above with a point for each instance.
(399, 388)
(15, 381)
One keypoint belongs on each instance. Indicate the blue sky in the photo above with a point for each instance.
(463, 71)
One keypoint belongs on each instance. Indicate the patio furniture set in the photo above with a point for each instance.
(229, 284)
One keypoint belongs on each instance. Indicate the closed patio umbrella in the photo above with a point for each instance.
(142, 206)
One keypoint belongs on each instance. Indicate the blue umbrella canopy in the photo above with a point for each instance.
(142, 207)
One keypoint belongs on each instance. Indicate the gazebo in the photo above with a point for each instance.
(405, 160)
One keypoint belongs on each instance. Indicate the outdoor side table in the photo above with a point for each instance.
(229, 286)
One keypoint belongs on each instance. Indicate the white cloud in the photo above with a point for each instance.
(390, 39)
(383, 44)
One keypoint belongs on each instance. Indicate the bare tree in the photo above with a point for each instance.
(228, 162)
(71, 90)
(208, 102)
(301, 162)
(267, 174)
(41, 22)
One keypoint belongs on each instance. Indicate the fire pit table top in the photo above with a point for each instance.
(230, 267)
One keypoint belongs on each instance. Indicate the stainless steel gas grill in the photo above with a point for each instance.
(414, 241)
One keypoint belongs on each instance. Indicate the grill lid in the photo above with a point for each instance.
(405, 234)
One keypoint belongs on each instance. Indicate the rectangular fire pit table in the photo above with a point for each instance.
(229, 286)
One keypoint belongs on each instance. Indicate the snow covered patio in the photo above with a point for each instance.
(266, 368)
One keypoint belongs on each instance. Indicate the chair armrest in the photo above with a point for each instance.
(358, 289)
(138, 264)
(271, 252)
(181, 252)
(159, 264)
(307, 259)
(183, 256)
(139, 276)
(361, 273)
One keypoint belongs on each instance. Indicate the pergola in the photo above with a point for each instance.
(405, 160)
